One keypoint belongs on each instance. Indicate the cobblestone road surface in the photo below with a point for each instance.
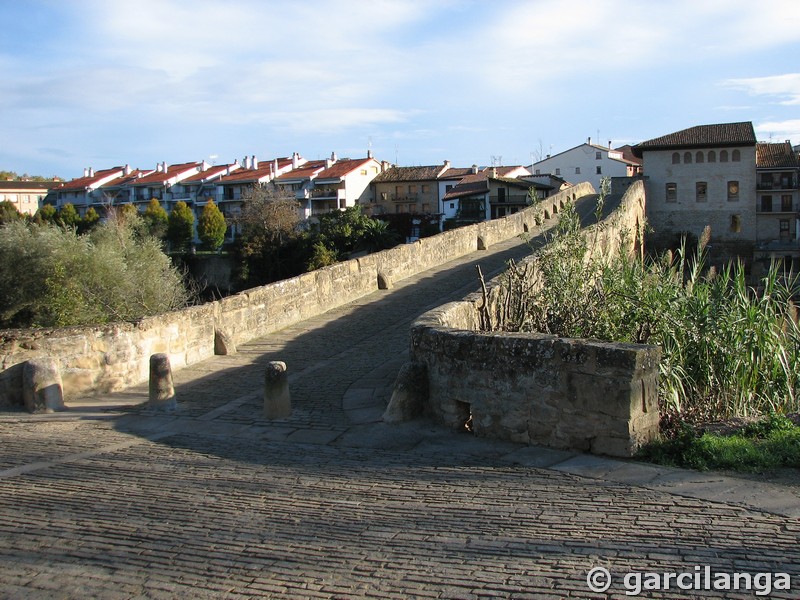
(110, 501)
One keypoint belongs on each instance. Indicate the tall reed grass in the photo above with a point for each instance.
(728, 349)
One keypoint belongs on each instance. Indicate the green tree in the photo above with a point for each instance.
(271, 245)
(8, 212)
(89, 220)
(180, 228)
(156, 219)
(211, 226)
(68, 216)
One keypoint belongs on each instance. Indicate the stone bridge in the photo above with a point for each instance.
(109, 500)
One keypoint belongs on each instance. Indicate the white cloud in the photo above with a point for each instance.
(786, 88)
(778, 131)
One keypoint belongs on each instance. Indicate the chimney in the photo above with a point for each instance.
(254, 161)
(333, 156)
(295, 160)
(589, 140)
(609, 144)
(275, 167)
(85, 172)
(127, 170)
(385, 166)
(494, 171)
(91, 172)
(446, 165)
(474, 169)
(164, 166)
(369, 153)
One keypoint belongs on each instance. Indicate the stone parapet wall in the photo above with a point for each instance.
(112, 357)
(541, 389)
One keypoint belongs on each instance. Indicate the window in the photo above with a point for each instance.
(784, 229)
(412, 189)
(676, 158)
(766, 203)
(723, 156)
(398, 191)
(363, 171)
(577, 170)
(558, 171)
(701, 187)
(786, 203)
(384, 196)
(687, 158)
(736, 156)
(672, 192)
(712, 156)
(736, 224)
(452, 205)
(425, 188)
(733, 191)
(698, 157)
(599, 170)
(538, 171)
(598, 155)
(447, 188)
(426, 208)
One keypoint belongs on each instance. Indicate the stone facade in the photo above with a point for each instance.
(112, 357)
(540, 389)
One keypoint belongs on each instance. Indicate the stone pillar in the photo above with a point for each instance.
(42, 390)
(277, 402)
(162, 393)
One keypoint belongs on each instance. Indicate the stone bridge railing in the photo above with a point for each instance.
(533, 388)
(112, 357)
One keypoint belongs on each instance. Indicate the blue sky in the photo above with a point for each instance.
(103, 82)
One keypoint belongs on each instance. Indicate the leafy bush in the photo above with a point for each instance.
(53, 277)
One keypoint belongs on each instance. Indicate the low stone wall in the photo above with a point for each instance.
(541, 389)
(112, 357)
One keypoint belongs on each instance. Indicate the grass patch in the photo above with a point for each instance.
(764, 445)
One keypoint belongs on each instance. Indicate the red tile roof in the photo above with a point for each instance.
(775, 156)
(125, 179)
(409, 174)
(304, 171)
(456, 173)
(81, 183)
(265, 170)
(162, 177)
(209, 173)
(344, 167)
(715, 136)
(472, 184)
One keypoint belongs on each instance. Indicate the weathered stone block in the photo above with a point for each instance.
(161, 392)
(42, 390)
(223, 343)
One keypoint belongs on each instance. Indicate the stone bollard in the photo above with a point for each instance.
(409, 394)
(42, 390)
(162, 393)
(277, 402)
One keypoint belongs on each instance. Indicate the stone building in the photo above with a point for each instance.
(778, 203)
(413, 190)
(703, 175)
